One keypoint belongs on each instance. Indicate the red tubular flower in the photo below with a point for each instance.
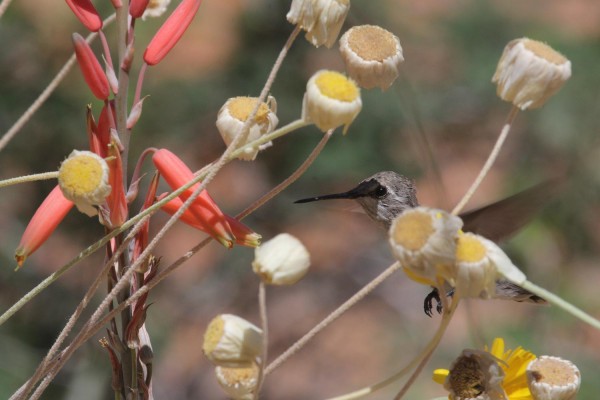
(170, 32)
(244, 236)
(86, 13)
(103, 130)
(116, 200)
(90, 68)
(45, 220)
(137, 8)
(177, 174)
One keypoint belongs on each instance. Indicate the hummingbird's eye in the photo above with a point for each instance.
(380, 191)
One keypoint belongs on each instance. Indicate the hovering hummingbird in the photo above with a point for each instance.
(386, 194)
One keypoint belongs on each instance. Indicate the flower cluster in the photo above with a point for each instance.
(496, 373)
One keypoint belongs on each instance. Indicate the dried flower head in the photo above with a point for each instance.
(155, 8)
(83, 179)
(331, 100)
(372, 56)
(282, 260)
(231, 341)
(238, 383)
(479, 263)
(552, 378)
(475, 375)
(424, 241)
(321, 19)
(530, 72)
(490, 374)
(235, 113)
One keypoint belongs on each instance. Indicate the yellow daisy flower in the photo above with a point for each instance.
(512, 362)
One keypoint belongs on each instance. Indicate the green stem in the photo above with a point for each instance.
(29, 178)
(561, 303)
(284, 130)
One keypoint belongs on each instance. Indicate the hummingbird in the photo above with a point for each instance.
(386, 194)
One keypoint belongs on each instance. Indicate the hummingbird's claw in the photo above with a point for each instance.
(428, 303)
(435, 295)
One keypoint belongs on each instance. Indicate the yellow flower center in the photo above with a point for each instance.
(544, 51)
(412, 230)
(336, 86)
(469, 249)
(213, 335)
(241, 108)
(372, 43)
(239, 376)
(81, 175)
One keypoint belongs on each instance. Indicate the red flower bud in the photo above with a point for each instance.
(170, 32)
(137, 8)
(86, 13)
(206, 211)
(90, 68)
(45, 220)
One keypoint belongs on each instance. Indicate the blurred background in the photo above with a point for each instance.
(436, 124)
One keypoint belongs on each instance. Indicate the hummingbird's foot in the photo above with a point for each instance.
(435, 295)
(428, 303)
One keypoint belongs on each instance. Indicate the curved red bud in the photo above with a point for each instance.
(170, 32)
(86, 13)
(137, 8)
(206, 211)
(90, 68)
(45, 220)
(244, 236)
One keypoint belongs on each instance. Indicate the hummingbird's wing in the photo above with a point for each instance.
(498, 221)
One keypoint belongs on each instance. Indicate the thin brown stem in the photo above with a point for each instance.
(358, 296)
(489, 162)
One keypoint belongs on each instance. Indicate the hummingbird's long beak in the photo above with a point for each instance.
(363, 189)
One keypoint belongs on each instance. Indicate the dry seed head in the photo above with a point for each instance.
(331, 100)
(372, 56)
(423, 240)
(479, 263)
(321, 19)
(155, 8)
(529, 73)
(83, 179)
(282, 260)
(552, 378)
(238, 383)
(236, 111)
(231, 341)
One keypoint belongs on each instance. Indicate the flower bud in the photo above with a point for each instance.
(234, 114)
(529, 73)
(231, 341)
(171, 31)
(321, 19)
(49, 214)
(331, 100)
(423, 240)
(282, 260)
(372, 56)
(90, 68)
(552, 378)
(83, 179)
(86, 13)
